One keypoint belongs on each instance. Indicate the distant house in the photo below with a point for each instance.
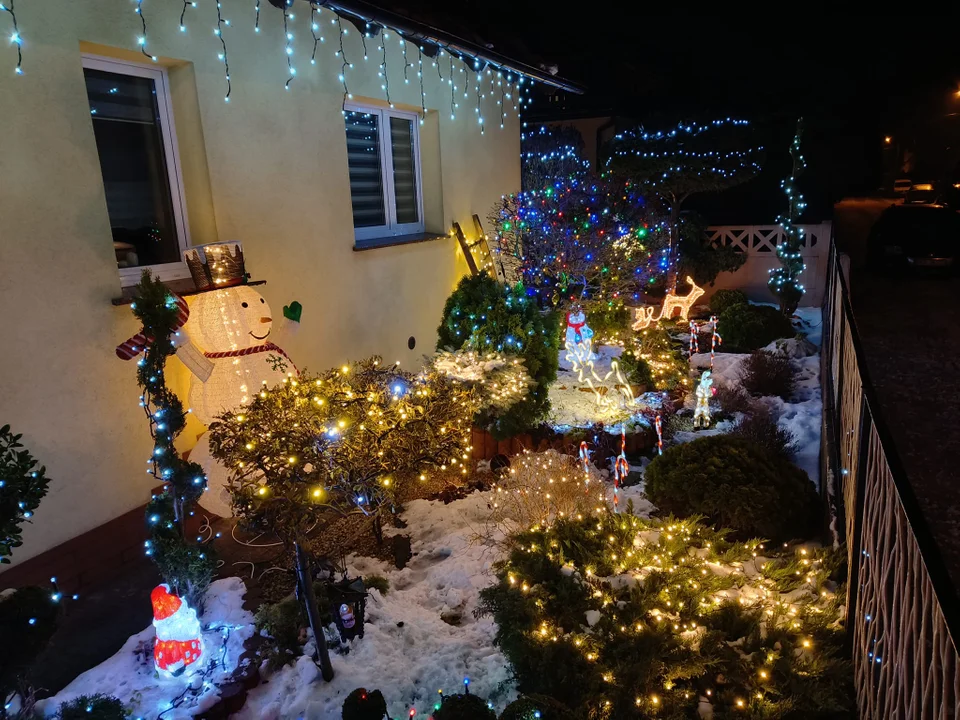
(338, 143)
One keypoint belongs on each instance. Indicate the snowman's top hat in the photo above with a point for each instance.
(216, 265)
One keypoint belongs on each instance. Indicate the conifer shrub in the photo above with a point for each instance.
(485, 316)
(746, 327)
(92, 707)
(722, 299)
(735, 484)
(767, 373)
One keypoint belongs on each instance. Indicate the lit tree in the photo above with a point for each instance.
(187, 566)
(344, 440)
(549, 154)
(690, 159)
(785, 280)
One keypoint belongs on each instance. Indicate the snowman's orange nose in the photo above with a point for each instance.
(266, 319)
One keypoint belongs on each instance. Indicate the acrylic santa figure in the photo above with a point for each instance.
(179, 644)
(701, 414)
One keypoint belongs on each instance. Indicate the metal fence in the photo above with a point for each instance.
(902, 610)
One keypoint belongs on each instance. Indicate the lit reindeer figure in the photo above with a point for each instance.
(643, 316)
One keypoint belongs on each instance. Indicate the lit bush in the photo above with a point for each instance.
(635, 369)
(668, 367)
(363, 704)
(734, 484)
(92, 707)
(485, 316)
(540, 488)
(463, 707)
(768, 373)
(641, 618)
(722, 299)
(750, 327)
(610, 321)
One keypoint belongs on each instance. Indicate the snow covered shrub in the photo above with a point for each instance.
(768, 373)
(536, 707)
(749, 327)
(735, 484)
(363, 704)
(92, 707)
(722, 299)
(540, 488)
(463, 707)
(485, 316)
(501, 379)
(762, 429)
(641, 618)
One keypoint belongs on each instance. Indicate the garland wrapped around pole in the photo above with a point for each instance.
(784, 281)
(187, 566)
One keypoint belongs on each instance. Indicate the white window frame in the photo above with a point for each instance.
(168, 133)
(392, 228)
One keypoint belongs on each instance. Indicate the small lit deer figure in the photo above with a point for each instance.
(643, 316)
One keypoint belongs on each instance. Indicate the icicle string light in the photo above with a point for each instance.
(423, 96)
(315, 11)
(183, 12)
(222, 55)
(288, 46)
(341, 31)
(15, 35)
(142, 39)
(385, 85)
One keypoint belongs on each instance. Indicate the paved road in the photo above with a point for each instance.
(910, 327)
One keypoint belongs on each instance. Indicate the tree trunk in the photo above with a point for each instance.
(305, 591)
(378, 528)
(674, 243)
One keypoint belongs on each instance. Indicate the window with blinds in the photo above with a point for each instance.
(383, 157)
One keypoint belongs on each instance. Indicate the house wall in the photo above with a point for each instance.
(269, 168)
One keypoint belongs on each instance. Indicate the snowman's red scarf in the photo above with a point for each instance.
(243, 352)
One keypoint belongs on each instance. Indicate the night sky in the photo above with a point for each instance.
(855, 80)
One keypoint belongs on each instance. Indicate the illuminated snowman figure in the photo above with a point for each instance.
(701, 415)
(227, 344)
(578, 339)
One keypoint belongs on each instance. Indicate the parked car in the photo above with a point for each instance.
(922, 194)
(915, 236)
(902, 185)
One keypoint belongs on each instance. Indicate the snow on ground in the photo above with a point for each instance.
(574, 405)
(802, 414)
(407, 651)
(136, 682)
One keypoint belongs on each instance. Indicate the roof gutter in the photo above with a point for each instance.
(448, 41)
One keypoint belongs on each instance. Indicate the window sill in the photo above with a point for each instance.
(376, 243)
(181, 287)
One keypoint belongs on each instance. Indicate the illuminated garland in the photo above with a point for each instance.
(785, 280)
(15, 35)
(186, 566)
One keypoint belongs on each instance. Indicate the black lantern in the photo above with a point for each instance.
(348, 603)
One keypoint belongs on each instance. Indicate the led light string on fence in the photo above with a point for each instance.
(15, 35)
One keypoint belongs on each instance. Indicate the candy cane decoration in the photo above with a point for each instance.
(585, 459)
(659, 425)
(715, 340)
(694, 340)
(621, 468)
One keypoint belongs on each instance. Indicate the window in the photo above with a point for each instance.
(383, 154)
(133, 126)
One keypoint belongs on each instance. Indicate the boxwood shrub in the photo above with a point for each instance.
(722, 299)
(746, 327)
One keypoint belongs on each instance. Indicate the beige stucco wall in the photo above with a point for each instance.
(268, 169)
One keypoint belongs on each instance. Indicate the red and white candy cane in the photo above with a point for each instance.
(585, 459)
(621, 468)
(715, 340)
(132, 347)
(659, 425)
(694, 340)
